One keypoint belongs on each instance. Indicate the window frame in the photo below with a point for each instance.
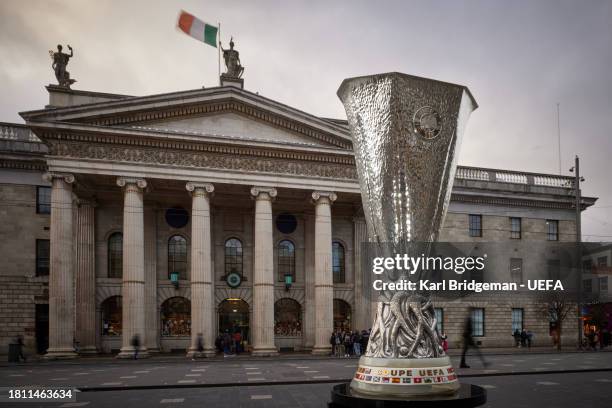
(554, 235)
(42, 271)
(40, 205)
(512, 273)
(238, 255)
(480, 321)
(183, 273)
(522, 314)
(288, 260)
(338, 269)
(587, 285)
(475, 228)
(604, 280)
(514, 232)
(110, 271)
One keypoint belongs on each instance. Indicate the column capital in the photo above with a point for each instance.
(194, 187)
(318, 195)
(68, 178)
(263, 193)
(139, 182)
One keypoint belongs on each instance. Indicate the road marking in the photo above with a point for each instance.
(141, 372)
(186, 381)
(555, 359)
(129, 376)
(58, 379)
(201, 370)
(75, 404)
(606, 380)
(98, 370)
(507, 365)
(80, 374)
(320, 376)
(251, 368)
(172, 400)
(254, 373)
(310, 372)
(16, 375)
(258, 397)
(547, 383)
(302, 367)
(519, 361)
(111, 383)
(490, 371)
(549, 363)
(351, 365)
(193, 375)
(488, 386)
(256, 379)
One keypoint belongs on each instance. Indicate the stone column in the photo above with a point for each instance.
(263, 274)
(133, 290)
(85, 277)
(362, 289)
(150, 256)
(201, 271)
(324, 286)
(61, 271)
(309, 302)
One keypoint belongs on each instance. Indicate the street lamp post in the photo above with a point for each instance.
(578, 205)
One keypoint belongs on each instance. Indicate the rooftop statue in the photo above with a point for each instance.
(60, 61)
(232, 61)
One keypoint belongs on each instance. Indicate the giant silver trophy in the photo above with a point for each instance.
(406, 132)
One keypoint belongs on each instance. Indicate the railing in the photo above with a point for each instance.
(514, 177)
(9, 131)
(18, 138)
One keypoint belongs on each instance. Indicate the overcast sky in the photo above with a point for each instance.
(518, 58)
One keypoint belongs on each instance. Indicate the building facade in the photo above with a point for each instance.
(199, 212)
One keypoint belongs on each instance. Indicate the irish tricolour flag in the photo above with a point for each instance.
(198, 29)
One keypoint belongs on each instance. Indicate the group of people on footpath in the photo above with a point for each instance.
(346, 343)
(597, 339)
(230, 344)
(522, 338)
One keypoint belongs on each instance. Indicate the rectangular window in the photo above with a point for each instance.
(516, 270)
(515, 228)
(475, 225)
(517, 320)
(43, 200)
(42, 257)
(552, 230)
(587, 265)
(478, 322)
(602, 261)
(587, 284)
(439, 319)
(603, 284)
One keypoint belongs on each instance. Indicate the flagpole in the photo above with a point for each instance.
(219, 54)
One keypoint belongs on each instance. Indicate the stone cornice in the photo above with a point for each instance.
(36, 165)
(98, 136)
(513, 202)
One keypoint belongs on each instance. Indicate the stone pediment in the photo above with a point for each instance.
(235, 126)
(223, 112)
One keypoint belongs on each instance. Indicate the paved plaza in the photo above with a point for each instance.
(514, 379)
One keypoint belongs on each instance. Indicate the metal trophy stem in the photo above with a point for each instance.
(406, 131)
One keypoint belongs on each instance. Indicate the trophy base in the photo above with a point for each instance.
(404, 377)
(466, 396)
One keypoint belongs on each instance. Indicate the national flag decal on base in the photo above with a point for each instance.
(198, 29)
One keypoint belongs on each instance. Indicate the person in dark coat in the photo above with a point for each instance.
(135, 342)
(468, 341)
(517, 338)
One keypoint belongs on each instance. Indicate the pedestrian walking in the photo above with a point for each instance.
(517, 338)
(20, 346)
(468, 341)
(135, 343)
(357, 343)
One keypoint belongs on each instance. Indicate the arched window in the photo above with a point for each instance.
(115, 255)
(338, 262)
(176, 317)
(286, 260)
(233, 256)
(177, 256)
(111, 316)
(287, 318)
(342, 315)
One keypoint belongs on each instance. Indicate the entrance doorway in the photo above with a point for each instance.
(234, 317)
(42, 328)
